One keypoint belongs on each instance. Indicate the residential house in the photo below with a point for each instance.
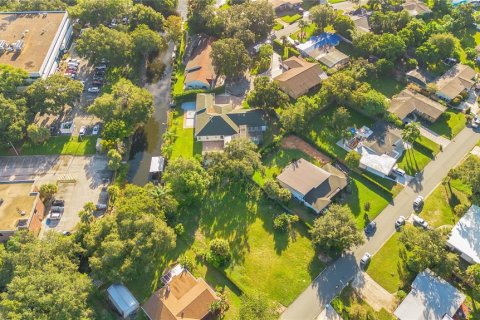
(20, 209)
(409, 102)
(300, 76)
(281, 5)
(416, 8)
(123, 300)
(464, 237)
(431, 298)
(420, 77)
(199, 71)
(333, 58)
(221, 118)
(380, 147)
(460, 78)
(315, 187)
(182, 297)
(360, 18)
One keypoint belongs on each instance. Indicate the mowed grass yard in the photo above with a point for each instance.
(387, 85)
(416, 159)
(450, 124)
(62, 145)
(185, 145)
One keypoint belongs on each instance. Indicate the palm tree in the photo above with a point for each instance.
(302, 24)
(284, 44)
(411, 133)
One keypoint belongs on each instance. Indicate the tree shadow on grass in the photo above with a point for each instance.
(218, 279)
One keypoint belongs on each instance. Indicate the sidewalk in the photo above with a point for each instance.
(435, 137)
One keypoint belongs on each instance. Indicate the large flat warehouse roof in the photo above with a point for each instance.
(39, 30)
(16, 198)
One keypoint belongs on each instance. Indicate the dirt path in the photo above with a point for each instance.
(294, 142)
(375, 295)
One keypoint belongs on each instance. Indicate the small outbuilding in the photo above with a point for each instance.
(123, 300)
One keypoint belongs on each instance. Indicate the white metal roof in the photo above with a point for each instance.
(382, 163)
(465, 235)
(431, 298)
(122, 298)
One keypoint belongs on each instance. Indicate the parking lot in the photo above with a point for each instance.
(79, 179)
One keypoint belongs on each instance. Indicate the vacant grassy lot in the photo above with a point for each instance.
(415, 159)
(185, 145)
(387, 267)
(387, 85)
(64, 145)
(362, 192)
(450, 124)
(320, 132)
(348, 297)
(291, 18)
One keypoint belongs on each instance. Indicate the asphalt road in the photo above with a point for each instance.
(329, 283)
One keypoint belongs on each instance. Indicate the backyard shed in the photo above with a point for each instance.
(123, 300)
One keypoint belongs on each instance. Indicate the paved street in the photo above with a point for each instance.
(330, 282)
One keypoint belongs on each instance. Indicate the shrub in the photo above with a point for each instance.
(48, 190)
(276, 192)
(358, 312)
(401, 294)
(284, 221)
(411, 63)
(460, 209)
(456, 101)
(187, 263)
(37, 134)
(366, 206)
(219, 253)
(179, 229)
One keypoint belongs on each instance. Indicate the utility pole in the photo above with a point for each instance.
(14, 148)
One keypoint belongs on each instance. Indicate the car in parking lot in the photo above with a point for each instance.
(96, 129)
(58, 203)
(94, 89)
(97, 82)
(83, 131)
(370, 228)
(365, 259)
(400, 222)
(419, 222)
(54, 215)
(418, 202)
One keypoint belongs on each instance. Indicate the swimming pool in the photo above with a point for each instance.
(322, 40)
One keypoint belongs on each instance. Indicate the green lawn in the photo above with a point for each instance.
(450, 124)
(348, 297)
(335, 1)
(415, 159)
(319, 131)
(185, 145)
(309, 31)
(387, 85)
(277, 26)
(64, 145)
(291, 18)
(180, 78)
(263, 259)
(387, 267)
(363, 191)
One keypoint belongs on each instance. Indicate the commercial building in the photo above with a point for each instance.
(20, 209)
(34, 41)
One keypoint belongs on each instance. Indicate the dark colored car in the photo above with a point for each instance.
(371, 228)
(58, 203)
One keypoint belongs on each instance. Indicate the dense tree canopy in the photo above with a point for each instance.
(229, 57)
(34, 5)
(12, 120)
(10, 79)
(142, 14)
(146, 41)
(132, 239)
(336, 231)
(96, 12)
(42, 279)
(127, 102)
(266, 94)
(105, 43)
(50, 95)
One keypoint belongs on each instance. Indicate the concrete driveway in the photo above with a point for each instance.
(329, 283)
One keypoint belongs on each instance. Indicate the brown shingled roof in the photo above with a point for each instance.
(300, 77)
(200, 67)
(454, 81)
(408, 101)
(185, 297)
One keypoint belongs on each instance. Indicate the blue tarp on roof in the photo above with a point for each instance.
(123, 299)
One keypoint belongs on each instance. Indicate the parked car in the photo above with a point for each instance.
(400, 222)
(420, 222)
(54, 215)
(365, 259)
(58, 203)
(101, 67)
(74, 60)
(418, 202)
(370, 228)
(97, 83)
(96, 129)
(66, 233)
(476, 121)
(101, 207)
(399, 171)
(94, 89)
(98, 78)
(57, 209)
(83, 131)
(450, 61)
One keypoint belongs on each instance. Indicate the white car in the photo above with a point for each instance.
(82, 131)
(94, 89)
(400, 222)
(95, 129)
(476, 121)
(54, 216)
(365, 259)
(418, 202)
(420, 222)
